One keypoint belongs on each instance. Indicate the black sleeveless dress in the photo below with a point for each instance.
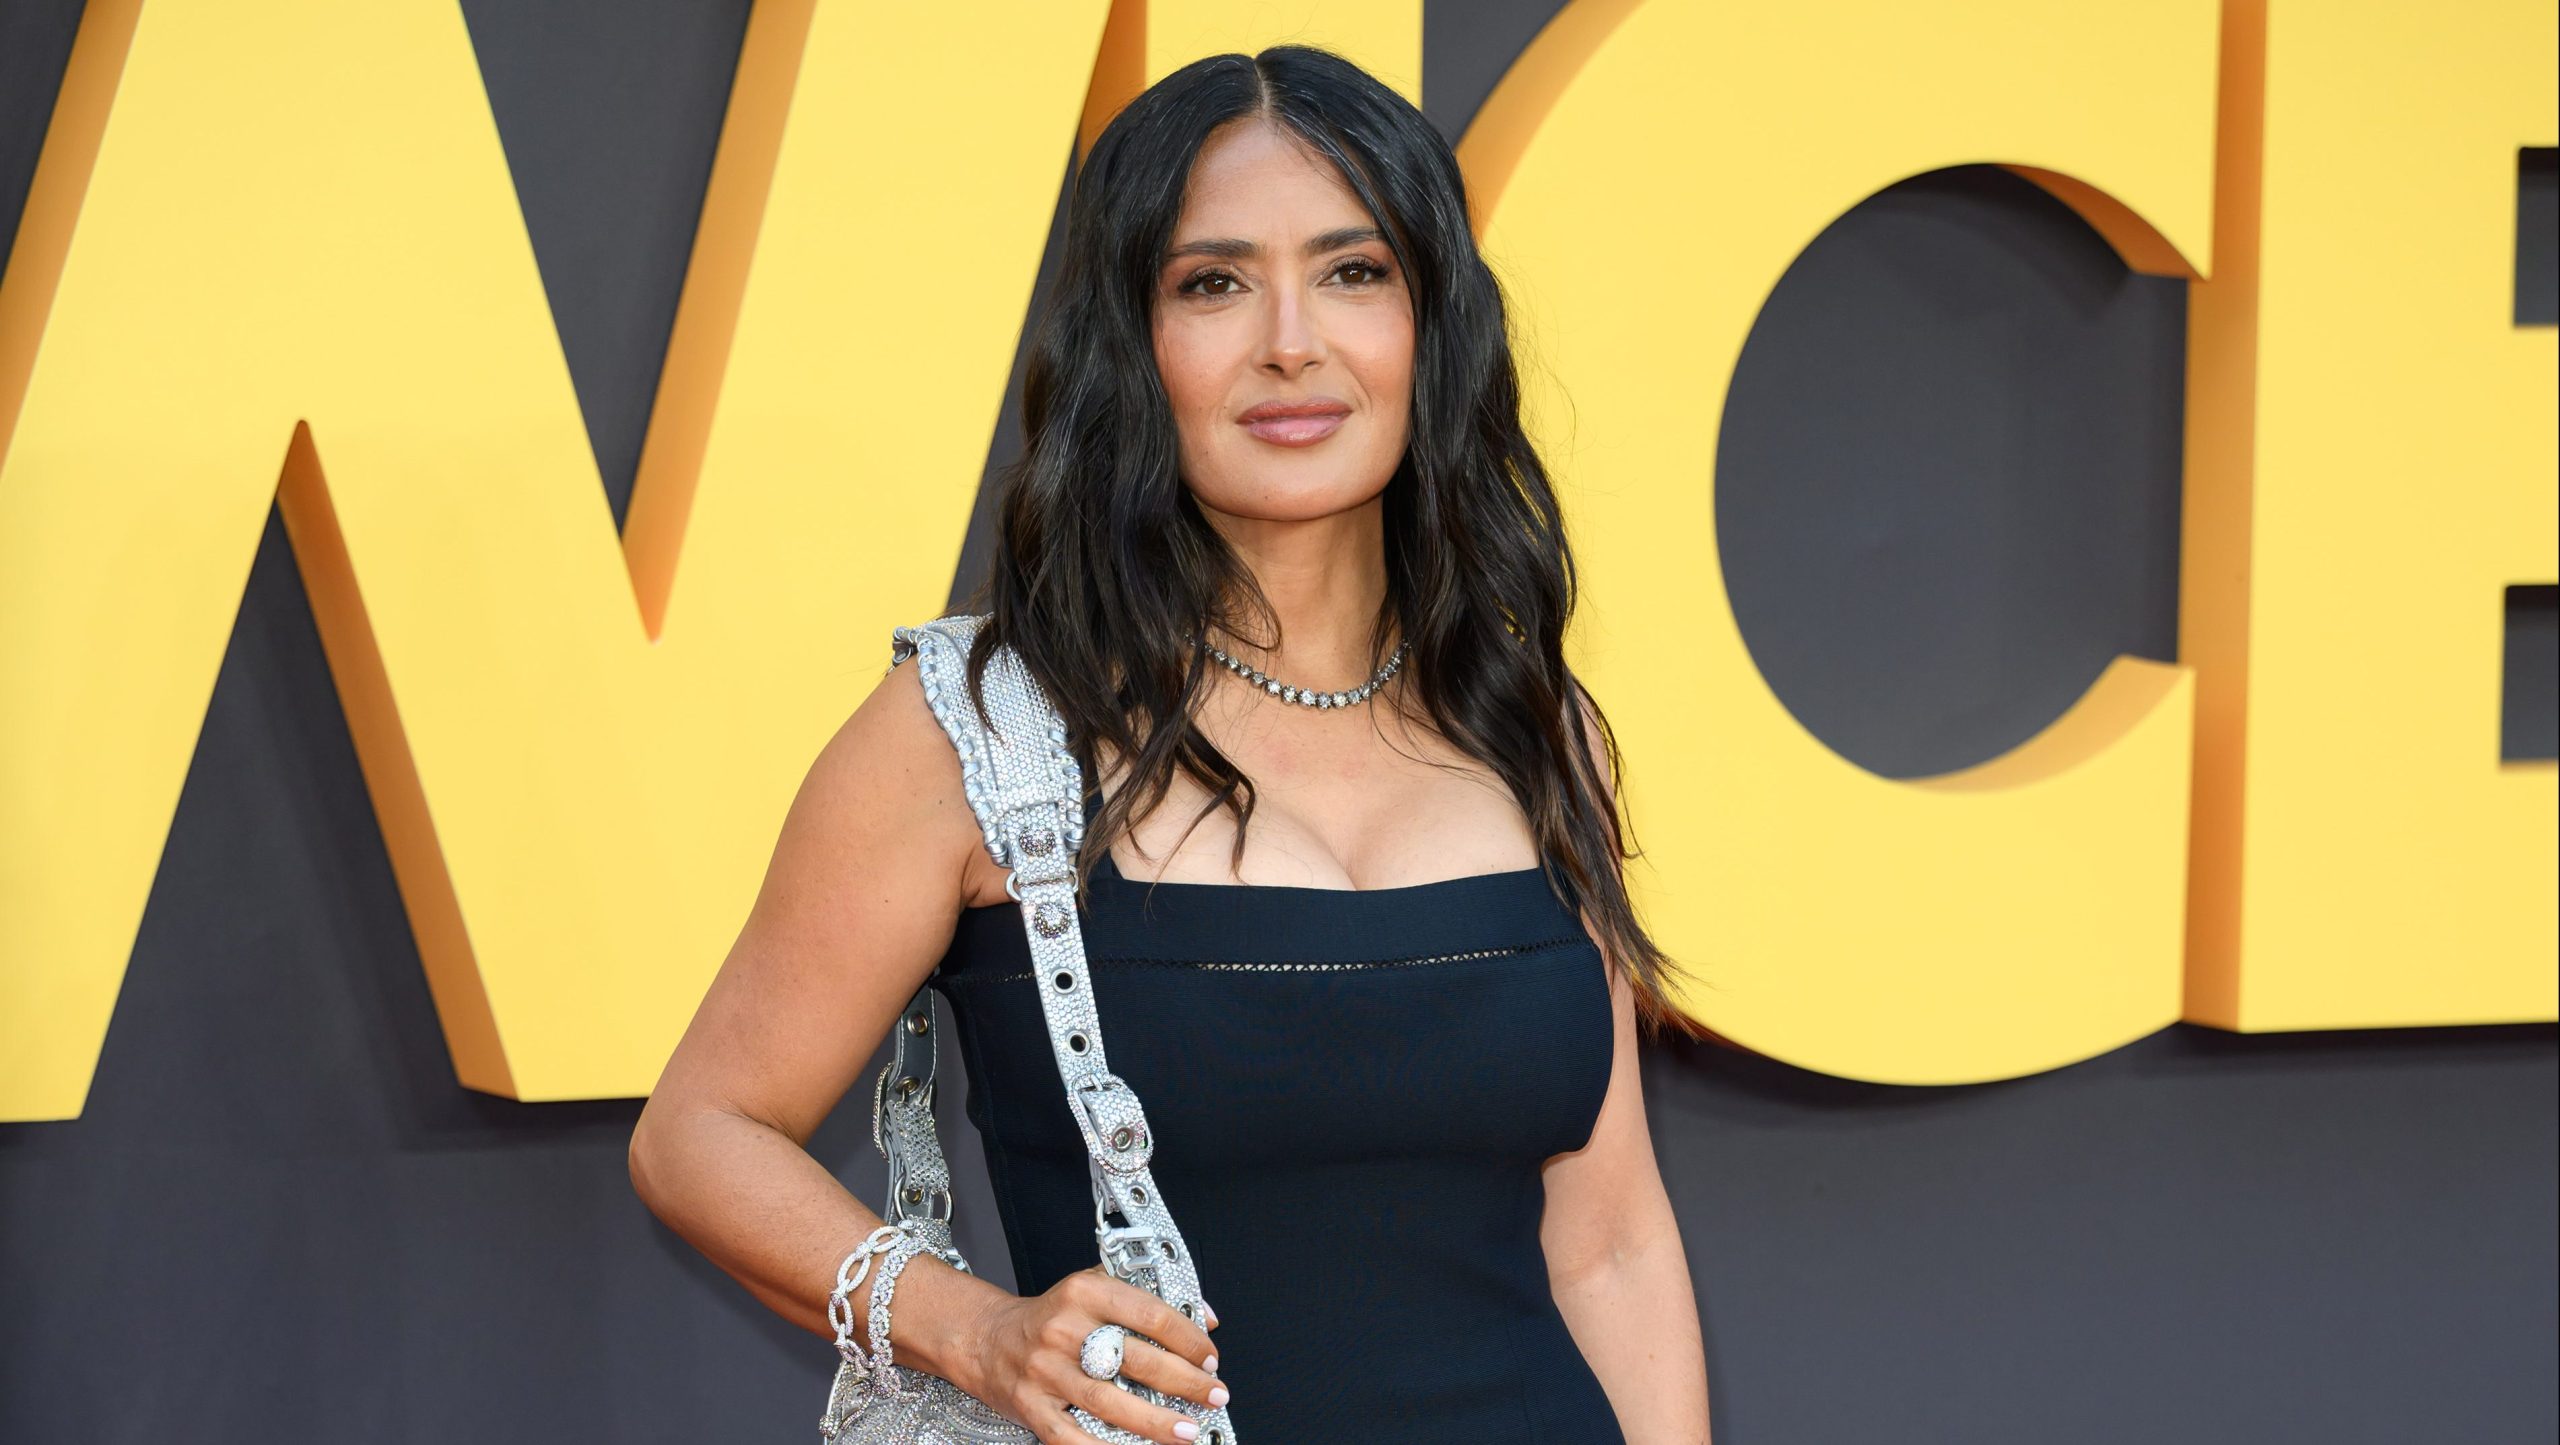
(1352, 1093)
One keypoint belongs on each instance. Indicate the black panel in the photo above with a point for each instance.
(2529, 702)
(2537, 236)
(1947, 487)
(1466, 47)
(977, 551)
(2529, 707)
(611, 116)
(35, 46)
(2202, 1237)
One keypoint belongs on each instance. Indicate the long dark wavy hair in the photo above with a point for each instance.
(1104, 567)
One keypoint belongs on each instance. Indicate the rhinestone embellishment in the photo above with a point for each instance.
(1051, 920)
(1101, 1355)
(1305, 696)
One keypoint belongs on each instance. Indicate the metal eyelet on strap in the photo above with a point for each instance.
(1025, 875)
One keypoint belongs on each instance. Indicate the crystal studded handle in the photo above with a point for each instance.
(903, 1129)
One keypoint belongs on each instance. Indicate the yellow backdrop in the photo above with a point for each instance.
(580, 746)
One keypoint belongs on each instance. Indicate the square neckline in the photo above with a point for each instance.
(1129, 920)
(1093, 805)
(1112, 863)
(1310, 891)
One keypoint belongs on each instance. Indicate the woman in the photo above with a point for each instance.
(1371, 965)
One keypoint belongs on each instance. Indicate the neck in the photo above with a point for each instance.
(1326, 579)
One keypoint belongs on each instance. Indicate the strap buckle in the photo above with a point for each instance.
(1035, 845)
(1128, 1250)
(1116, 1133)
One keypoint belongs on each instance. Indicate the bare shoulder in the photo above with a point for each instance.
(859, 902)
(883, 798)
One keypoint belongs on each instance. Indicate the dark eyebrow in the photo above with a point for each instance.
(1223, 249)
(1228, 248)
(1344, 238)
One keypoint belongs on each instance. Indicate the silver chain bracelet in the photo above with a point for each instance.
(848, 1277)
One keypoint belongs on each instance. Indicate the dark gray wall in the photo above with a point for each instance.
(281, 1220)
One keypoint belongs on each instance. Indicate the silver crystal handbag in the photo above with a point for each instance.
(1027, 789)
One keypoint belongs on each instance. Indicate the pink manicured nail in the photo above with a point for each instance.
(1210, 1364)
(1186, 1430)
(1218, 1396)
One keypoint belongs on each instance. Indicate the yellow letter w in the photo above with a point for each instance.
(273, 250)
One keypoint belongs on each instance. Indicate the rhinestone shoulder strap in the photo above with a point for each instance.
(1027, 789)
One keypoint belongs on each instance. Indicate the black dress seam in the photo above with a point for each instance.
(1321, 965)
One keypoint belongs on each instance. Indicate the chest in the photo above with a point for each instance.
(1342, 801)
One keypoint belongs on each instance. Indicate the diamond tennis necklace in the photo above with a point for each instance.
(1307, 696)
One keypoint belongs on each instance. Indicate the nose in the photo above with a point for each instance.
(1291, 342)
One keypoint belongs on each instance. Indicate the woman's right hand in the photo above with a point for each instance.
(1029, 1361)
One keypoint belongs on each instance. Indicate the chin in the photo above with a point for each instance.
(1297, 488)
(1291, 498)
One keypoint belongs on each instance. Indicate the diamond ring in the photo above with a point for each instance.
(1102, 1351)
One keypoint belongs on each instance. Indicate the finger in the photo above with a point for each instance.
(1171, 1373)
(1133, 1308)
(1060, 1428)
(1057, 1371)
(1113, 1405)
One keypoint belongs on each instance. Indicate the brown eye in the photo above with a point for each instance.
(1359, 273)
(1209, 283)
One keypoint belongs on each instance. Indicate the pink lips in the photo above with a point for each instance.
(1295, 423)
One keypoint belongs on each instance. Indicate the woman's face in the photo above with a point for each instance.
(1283, 332)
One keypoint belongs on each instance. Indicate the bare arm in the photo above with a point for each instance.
(859, 902)
(876, 858)
(1615, 1260)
